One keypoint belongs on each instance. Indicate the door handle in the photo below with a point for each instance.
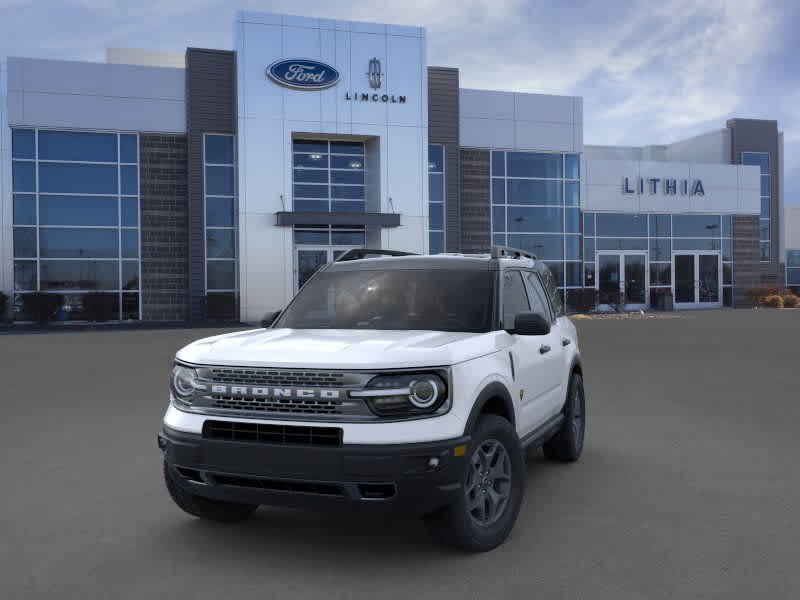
(544, 349)
(565, 341)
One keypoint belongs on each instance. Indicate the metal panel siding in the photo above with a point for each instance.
(443, 128)
(210, 108)
(475, 201)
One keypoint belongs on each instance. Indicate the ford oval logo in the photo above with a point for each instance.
(303, 74)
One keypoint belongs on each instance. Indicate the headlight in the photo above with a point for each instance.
(184, 383)
(406, 395)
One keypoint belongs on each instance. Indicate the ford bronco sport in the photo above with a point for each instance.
(391, 382)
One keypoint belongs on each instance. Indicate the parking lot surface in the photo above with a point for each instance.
(688, 486)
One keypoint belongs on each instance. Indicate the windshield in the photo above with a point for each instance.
(436, 300)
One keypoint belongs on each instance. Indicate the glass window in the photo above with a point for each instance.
(79, 275)
(130, 275)
(25, 242)
(572, 274)
(727, 249)
(498, 191)
(660, 274)
(572, 192)
(537, 296)
(696, 225)
(621, 243)
(436, 187)
(530, 164)
(572, 220)
(23, 143)
(219, 181)
(793, 258)
(24, 209)
(66, 178)
(766, 251)
(321, 237)
(219, 149)
(515, 299)
(535, 219)
(436, 216)
(557, 273)
(129, 176)
(765, 207)
(572, 245)
(622, 225)
(727, 226)
(695, 244)
(588, 249)
(660, 226)
(498, 218)
(347, 192)
(130, 307)
(347, 148)
(764, 229)
(312, 146)
(348, 238)
(310, 191)
(311, 205)
(765, 191)
(759, 159)
(588, 224)
(220, 243)
(219, 212)
(588, 273)
(78, 146)
(77, 210)
(311, 175)
(221, 275)
(727, 273)
(353, 177)
(660, 249)
(128, 148)
(130, 243)
(436, 242)
(130, 212)
(343, 162)
(545, 247)
(55, 242)
(435, 158)
(573, 166)
(25, 275)
(23, 176)
(498, 163)
(317, 161)
(528, 191)
(347, 206)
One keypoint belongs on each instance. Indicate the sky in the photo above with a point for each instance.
(650, 72)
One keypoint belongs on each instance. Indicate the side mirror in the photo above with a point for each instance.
(530, 323)
(269, 319)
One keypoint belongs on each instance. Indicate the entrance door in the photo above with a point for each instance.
(697, 279)
(308, 260)
(622, 279)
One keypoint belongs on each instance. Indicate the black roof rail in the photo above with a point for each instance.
(508, 252)
(359, 253)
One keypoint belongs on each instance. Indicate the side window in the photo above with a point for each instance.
(515, 299)
(537, 295)
(550, 286)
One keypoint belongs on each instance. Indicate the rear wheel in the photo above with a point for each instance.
(205, 508)
(567, 444)
(493, 485)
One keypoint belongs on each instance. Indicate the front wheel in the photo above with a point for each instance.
(493, 486)
(567, 444)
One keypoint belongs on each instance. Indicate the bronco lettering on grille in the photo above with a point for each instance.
(274, 392)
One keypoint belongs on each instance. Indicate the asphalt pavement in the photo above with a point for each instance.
(688, 486)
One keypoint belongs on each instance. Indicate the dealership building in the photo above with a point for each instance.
(212, 183)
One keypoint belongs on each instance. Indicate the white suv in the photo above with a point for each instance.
(391, 382)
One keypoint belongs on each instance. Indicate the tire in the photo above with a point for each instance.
(567, 444)
(460, 524)
(205, 508)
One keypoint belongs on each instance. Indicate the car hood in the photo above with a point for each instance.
(341, 348)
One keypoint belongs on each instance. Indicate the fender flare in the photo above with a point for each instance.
(492, 390)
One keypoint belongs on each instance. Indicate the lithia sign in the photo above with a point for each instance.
(306, 74)
(667, 186)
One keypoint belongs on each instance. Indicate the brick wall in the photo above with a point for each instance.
(165, 231)
(476, 216)
(746, 253)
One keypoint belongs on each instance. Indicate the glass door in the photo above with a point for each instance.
(622, 280)
(697, 279)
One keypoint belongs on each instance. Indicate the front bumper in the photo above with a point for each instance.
(414, 479)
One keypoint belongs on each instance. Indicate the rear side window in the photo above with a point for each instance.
(515, 299)
(551, 288)
(537, 296)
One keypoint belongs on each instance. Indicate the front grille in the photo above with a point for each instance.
(279, 405)
(276, 377)
(289, 435)
(280, 485)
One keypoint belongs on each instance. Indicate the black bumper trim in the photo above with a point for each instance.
(420, 476)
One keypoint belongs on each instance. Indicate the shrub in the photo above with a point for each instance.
(41, 306)
(99, 306)
(3, 306)
(773, 301)
(790, 301)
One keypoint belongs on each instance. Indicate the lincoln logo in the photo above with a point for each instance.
(301, 74)
(374, 74)
(274, 392)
